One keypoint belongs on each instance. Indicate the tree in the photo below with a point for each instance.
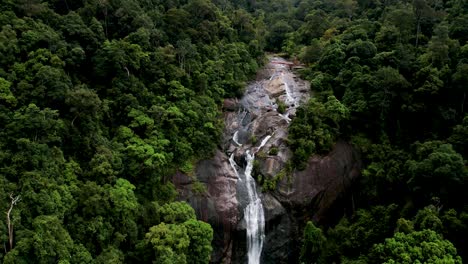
(170, 242)
(188, 242)
(312, 53)
(14, 201)
(455, 229)
(354, 237)
(110, 255)
(428, 218)
(123, 198)
(437, 171)
(277, 35)
(398, 27)
(362, 49)
(85, 114)
(315, 25)
(416, 247)
(31, 7)
(119, 57)
(336, 111)
(457, 29)
(6, 96)
(48, 242)
(185, 49)
(420, 9)
(9, 47)
(349, 6)
(332, 58)
(201, 235)
(460, 81)
(385, 174)
(176, 212)
(101, 101)
(459, 137)
(390, 84)
(313, 244)
(441, 45)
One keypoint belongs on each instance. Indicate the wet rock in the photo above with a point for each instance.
(242, 137)
(272, 207)
(218, 206)
(267, 124)
(279, 229)
(231, 149)
(292, 113)
(271, 166)
(323, 182)
(305, 195)
(275, 88)
(300, 196)
(230, 104)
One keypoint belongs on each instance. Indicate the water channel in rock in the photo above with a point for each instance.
(278, 85)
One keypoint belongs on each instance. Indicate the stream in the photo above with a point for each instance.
(251, 130)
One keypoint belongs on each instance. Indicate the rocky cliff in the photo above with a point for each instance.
(292, 198)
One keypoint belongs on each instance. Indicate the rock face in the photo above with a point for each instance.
(230, 105)
(218, 205)
(308, 195)
(323, 181)
(254, 124)
(275, 89)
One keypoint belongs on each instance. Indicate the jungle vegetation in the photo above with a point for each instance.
(101, 101)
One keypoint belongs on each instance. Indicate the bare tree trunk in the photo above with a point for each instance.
(14, 201)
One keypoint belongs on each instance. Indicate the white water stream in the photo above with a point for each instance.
(234, 165)
(254, 215)
(235, 138)
(289, 98)
(255, 103)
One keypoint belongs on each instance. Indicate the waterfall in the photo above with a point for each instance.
(235, 138)
(289, 99)
(254, 215)
(288, 94)
(285, 117)
(252, 114)
(234, 165)
(264, 141)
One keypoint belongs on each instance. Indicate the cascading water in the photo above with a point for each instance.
(254, 215)
(289, 98)
(253, 212)
(235, 138)
(255, 104)
(234, 166)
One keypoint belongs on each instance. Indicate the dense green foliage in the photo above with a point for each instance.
(100, 101)
(418, 246)
(313, 244)
(390, 77)
(316, 127)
